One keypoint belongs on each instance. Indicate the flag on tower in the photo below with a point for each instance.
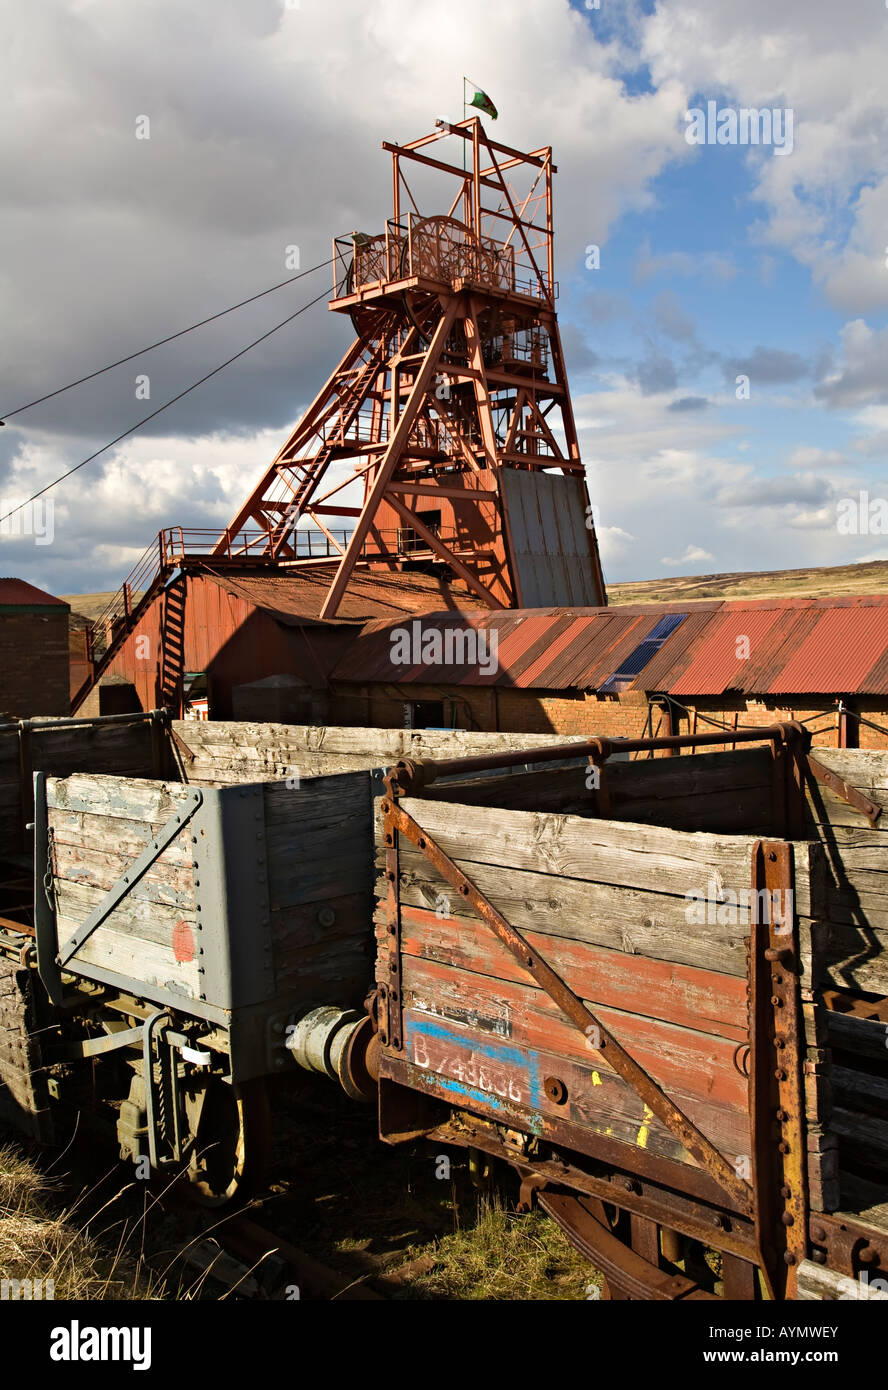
(482, 100)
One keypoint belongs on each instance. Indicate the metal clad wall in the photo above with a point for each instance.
(550, 541)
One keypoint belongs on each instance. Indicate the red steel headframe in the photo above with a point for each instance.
(454, 374)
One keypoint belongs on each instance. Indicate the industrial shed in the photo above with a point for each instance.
(637, 669)
(216, 629)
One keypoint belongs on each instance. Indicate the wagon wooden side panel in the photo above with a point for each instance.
(99, 826)
(647, 926)
(241, 905)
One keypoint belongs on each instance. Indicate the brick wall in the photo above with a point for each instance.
(34, 662)
(581, 712)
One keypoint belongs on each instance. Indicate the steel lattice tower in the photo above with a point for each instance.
(451, 403)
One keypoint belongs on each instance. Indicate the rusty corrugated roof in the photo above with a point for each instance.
(297, 595)
(763, 646)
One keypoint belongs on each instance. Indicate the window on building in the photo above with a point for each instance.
(634, 663)
(424, 714)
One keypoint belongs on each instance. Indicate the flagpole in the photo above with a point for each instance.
(465, 112)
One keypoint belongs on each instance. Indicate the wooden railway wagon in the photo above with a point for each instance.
(654, 985)
(657, 989)
(195, 933)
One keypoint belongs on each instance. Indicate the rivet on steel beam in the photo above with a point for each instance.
(818, 1234)
(785, 1193)
(385, 807)
(779, 1041)
(789, 1258)
(780, 1074)
(867, 1255)
(787, 1218)
(783, 1146)
(718, 1221)
(782, 1115)
(819, 1257)
(776, 1001)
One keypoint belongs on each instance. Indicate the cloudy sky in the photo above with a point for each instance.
(727, 346)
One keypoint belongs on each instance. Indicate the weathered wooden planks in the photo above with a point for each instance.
(664, 894)
(607, 906)
(100, 825)
(113, 748)
(488, 1073)
(226, 753)
(691, 998)
(297, 859)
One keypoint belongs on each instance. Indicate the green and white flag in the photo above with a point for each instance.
(482, 100)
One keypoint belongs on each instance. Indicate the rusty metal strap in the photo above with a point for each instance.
(597, 1036)
(843, 789)
(134, 872)
(777, 1046)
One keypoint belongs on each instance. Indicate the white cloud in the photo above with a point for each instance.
(808, 457)
(861, 378)
(694, 555)
(827, 63)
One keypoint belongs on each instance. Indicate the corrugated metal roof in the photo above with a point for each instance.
(298, 595)
(795, 647)
(721, 655)
(850, 641)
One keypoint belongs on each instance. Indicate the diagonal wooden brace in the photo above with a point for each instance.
(150, 854)
(602, 1041)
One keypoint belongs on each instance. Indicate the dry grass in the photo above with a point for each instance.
(503, 1256)
(37, 1241)
(844, 580)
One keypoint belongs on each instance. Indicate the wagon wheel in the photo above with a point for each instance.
(626, 1251)
(232, 1150)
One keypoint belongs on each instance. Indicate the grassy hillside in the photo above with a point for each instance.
(839, 580)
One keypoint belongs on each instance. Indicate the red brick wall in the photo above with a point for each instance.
(34, 662)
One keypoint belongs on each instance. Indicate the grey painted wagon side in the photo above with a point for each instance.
(238, 905)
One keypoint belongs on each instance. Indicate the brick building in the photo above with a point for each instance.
(409, 649)
(630, 670)
(34, 657)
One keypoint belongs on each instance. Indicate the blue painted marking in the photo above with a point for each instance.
(526, 1063)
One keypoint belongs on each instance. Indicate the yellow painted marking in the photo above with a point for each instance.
(596, 1079)
(642, 1136)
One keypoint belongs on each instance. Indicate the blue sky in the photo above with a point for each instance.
(266, 122)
